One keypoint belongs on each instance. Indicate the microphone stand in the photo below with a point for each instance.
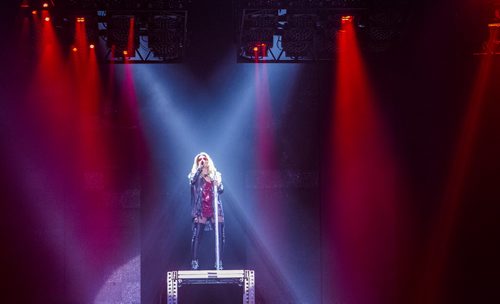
(216, 211)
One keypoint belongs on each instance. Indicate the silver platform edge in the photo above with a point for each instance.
(244, 278)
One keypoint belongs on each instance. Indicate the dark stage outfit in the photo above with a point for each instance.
(202, 205)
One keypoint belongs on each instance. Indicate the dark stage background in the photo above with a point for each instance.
(95, 201)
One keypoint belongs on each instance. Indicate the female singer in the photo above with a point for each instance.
(204, 179)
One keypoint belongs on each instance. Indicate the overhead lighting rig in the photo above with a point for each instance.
(155, 31)
(131, 31)
(306, 30)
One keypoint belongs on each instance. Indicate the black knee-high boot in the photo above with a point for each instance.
(195, 241)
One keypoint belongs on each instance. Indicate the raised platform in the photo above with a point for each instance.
(244, 278)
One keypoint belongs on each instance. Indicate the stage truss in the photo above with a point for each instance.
(244, 278)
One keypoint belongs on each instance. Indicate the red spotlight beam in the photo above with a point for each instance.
(362, 189)
(130, 44)
(269, 201)
(445, 222)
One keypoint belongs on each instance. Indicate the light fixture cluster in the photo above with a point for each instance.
(307, 30)
(269, 30)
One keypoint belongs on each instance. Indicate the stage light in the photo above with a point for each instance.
(257, 50)
(80, 19)
(125, 53)
(92, 46)
(262, 47)
(74, 49)
(258, 27)
(492, 46)
(123, 35)
(91, 28)
(347, 19)
(167, 35)
(45, 5)
(33, 12)
(47, 19)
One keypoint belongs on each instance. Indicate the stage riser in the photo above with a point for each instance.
(211, 286)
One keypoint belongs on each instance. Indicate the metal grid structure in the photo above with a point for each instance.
(244, 278)
(249, 287)
(133, 31)
(161, 36)
(172, 295)
(307, 30)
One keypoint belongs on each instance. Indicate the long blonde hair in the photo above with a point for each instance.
(212, 170)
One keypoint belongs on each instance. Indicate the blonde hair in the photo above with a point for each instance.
(212, 170)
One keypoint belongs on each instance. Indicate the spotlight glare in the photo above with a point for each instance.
(80, 19)
(92, 46)
(33, 12)
(255, 48)
(74, 49)
(125, 52)
(347, 19)
(45, 5)
(47, 19)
